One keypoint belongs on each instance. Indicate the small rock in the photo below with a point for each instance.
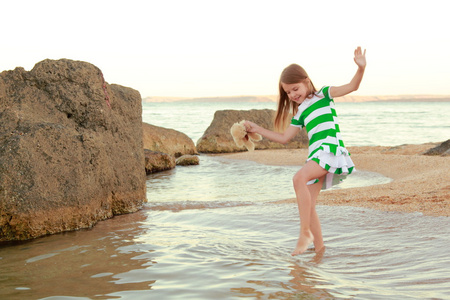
(187, 160)
(442, 150)
(158, 161)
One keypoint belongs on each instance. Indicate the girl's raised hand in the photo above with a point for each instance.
(360, 57)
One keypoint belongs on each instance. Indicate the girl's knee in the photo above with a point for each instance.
(299, 178)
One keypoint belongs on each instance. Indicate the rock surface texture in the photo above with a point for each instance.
(169, 141)
(217, 137)
(188, 160)
(158, 161)
(442, 150)
(163, 146)
(71, 150)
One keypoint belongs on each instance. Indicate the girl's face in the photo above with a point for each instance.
(297, 92)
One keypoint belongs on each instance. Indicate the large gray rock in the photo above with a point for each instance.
(217, 137)
(71, 150)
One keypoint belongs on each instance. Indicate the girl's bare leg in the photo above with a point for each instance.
(316, 229)
(311, 170)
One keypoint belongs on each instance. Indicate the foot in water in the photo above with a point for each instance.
(303, 242)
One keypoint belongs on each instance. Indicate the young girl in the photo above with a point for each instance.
(327, 154)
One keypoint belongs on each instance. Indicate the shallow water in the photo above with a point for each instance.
(205, 236)
(219, 182)
(235, 253)
(215, 231)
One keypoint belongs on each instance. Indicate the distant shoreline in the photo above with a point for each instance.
(273, 98)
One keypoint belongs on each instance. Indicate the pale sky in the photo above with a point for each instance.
(200, 48)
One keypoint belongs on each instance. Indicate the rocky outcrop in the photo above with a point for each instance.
(217, 137)
(170, 141)
(442, 150)
(158, 161)
(71, 150)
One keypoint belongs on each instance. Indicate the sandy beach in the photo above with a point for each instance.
(420, 183)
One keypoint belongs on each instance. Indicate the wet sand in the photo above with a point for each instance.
(420, 183)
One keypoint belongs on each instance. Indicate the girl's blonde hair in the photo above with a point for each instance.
(286, 108)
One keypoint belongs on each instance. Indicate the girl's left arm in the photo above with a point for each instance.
(353, 85)
(277, 137)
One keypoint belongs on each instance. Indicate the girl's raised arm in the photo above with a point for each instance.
(353, 85)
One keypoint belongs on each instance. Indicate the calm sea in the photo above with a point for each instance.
(213, 231)
(362, 124)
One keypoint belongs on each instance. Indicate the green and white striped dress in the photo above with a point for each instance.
(326, 147)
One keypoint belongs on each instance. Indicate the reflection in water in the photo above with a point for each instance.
(81, 263)
(234, 252)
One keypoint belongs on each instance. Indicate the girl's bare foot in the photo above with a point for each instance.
(320, 250)
(319, 255)
(303, 242)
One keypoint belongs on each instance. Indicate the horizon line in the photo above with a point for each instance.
(273, 98)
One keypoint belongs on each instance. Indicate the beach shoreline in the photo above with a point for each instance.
(420, 183)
